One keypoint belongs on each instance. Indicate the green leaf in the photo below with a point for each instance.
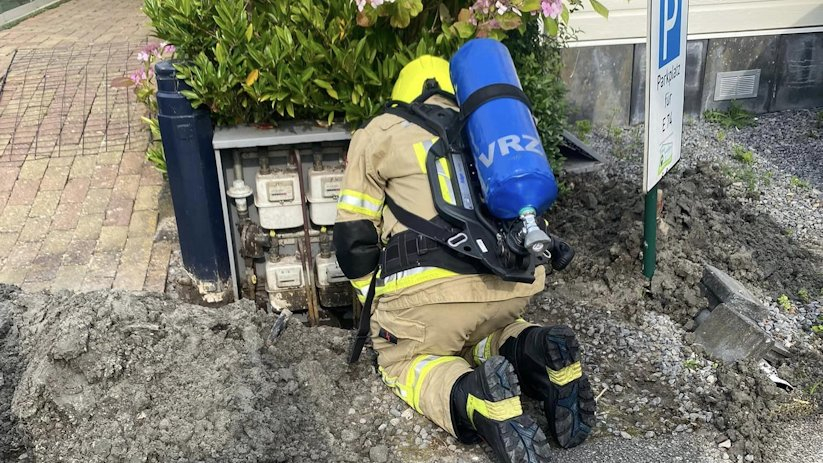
(464, 30)
(564, 15)
(322, 84)
(599, 8)
(530, 5)
(551, 26)
(249, 32)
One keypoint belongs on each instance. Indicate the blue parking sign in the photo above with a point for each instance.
(669, 30)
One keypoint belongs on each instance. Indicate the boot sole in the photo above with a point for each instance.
(522, 438)
(570, 408)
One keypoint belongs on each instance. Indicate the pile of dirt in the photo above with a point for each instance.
(639, 348)
(144, 378)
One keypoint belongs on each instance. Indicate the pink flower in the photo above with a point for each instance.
(138, 76)
(169, 49)
(551, 8)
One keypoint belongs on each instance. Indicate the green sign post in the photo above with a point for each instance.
(665, 82)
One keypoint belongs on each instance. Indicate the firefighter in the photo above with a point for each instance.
(449, 337)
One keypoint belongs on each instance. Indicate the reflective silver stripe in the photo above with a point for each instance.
(405, 273)
(360, 202)
(419, 368)
(480, 351)
(427, 145)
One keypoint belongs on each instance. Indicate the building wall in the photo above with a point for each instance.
(606, 83)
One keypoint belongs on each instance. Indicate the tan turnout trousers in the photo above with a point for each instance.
(429, 325)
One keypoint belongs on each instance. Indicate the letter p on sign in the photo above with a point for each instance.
(669, 31)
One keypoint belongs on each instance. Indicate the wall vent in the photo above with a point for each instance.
(735, 85)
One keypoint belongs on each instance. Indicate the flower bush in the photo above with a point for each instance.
(326, 60)
(145, 90)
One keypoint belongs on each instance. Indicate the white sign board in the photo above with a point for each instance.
(665, 79)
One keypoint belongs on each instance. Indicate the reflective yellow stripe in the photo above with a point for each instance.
(359, 203)
(565, 375)
(400, 390)
(361, 287)
(502, 410)
(420, 153)
(417, 387)
(444, 178)
(407, 278)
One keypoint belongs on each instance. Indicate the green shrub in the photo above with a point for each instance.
(743, 155)
(735, 116)
(266, 61)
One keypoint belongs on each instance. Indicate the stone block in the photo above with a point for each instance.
(720, 287)
(598, 82)
(799, 72)
(737, 54)
(695, 65)
(730, 336)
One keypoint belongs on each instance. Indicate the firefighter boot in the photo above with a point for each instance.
(547, 362)
(487, 401)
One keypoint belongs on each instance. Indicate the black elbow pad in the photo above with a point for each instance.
(356, 245)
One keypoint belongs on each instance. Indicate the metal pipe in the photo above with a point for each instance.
(318, 160)
(238, 166)
(308, 264)
(263, 154)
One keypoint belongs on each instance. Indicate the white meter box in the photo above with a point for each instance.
(278, 199)
(665, 81)
(324, 189)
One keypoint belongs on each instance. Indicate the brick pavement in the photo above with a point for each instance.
(80, 221)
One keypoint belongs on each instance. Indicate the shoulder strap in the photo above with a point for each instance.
(359, 339)
(420, 225)
(489, 93)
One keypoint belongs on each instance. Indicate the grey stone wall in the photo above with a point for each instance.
(606, 84)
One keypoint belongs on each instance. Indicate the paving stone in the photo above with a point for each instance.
(55, 177)
(157, 271)
(143, 223)
(7, 240)
(720, 287)
(60, 161)
(111, 157)
(730, 335)
(33, 169)
(13, 275)
(45, 204)
(97, 199)
(104, 264)
(57, 242)
(104, 176)
(66, 216)
(75, 190)
(8, 175)
(44, 268)
(89, 226)
(13, 218)
(132, 162)
(118, 212)
(125, 186)
(35, 286)
(24, 192)
(79, 252)
(93, 283)
(69, 277)
(147, 197)
(112, 238)
(23, 253)
(4, 197)
(35, 229)
(131, 273)
(151, 176)
(83, 167)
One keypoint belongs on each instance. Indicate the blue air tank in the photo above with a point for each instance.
(514, 173)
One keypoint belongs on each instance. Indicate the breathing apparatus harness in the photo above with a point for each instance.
(464, 237)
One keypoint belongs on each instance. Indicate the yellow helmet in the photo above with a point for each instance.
(414, 75)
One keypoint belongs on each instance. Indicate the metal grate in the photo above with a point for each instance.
(735, 85)
(60, 102)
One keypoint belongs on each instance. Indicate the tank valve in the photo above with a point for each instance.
(536, 240)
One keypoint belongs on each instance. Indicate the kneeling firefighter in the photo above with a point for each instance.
(445, 248)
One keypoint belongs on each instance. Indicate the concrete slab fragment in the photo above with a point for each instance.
(720, 287)
(730, 336)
